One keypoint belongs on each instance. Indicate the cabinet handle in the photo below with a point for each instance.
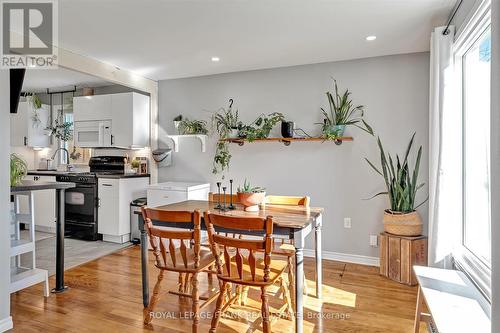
(109, 185)
(112, 139)
(98, 202)
(25, 139)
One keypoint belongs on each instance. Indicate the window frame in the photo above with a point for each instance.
(464, 259)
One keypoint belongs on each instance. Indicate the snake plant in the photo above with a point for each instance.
(400, 180)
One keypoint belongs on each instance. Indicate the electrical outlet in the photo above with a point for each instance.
(374, 240)
(347, 222)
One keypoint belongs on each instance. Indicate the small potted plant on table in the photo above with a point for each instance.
(401, 188)
(251, 196)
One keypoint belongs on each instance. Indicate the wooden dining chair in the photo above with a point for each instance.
(186, 259)
(286, 247)
(244, 262)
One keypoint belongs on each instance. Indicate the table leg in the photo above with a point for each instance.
(144, 263)
(299, 280)
(319, 257)
(60, 287)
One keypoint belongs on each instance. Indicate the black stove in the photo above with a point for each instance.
(82, 201)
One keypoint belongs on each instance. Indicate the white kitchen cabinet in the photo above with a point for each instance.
(115, 196)
(97, 107)
(27, 132)
(44, 205)
(127, 112)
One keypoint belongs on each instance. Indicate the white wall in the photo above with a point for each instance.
(394, 90)
(495, 164)
(5, 320)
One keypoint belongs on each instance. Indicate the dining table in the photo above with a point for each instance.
(289, 222)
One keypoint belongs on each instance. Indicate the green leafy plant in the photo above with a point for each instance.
(261, 127)
(400, 180)
(341, 113)
(187, 126)
(34, 100)
(135, 164)
(248, 188)
(225, 120)
(61, 130)
(18, 169)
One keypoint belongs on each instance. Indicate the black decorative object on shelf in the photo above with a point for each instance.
(218, 200)
(231, 206)
(287, 129)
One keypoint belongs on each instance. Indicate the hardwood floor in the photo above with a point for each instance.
(105, 296)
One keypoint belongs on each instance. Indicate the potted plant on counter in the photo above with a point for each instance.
(341, 114)
(251, 196)
(18, 169)
(401, 187)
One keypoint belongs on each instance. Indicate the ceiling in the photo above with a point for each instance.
(37, 80)
(177, 38)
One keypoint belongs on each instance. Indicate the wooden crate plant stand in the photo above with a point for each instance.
(398, 254)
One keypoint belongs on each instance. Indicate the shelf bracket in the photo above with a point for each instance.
(201, 137)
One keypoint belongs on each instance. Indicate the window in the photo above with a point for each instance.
(473, 62)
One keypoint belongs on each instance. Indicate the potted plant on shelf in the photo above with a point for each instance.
(226, 122)
(341, 114)
(251, 196)
(261, 127)
(401, 187)
(177, 121)
(18, 169)
(187, 126)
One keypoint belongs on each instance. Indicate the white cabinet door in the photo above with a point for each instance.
(25, 131)
(108, 211)
(18, 126)
(37, 136)
(121, 106)
(86, 108)
(44, 202)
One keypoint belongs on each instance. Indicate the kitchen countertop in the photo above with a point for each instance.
(30, 185)
(63, 173)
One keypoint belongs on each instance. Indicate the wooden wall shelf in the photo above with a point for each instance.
(288, 141)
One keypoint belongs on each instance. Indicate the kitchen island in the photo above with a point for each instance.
(26, 188)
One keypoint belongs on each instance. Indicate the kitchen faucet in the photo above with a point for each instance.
(67, 156)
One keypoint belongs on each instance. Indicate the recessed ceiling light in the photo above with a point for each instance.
(370, 38)
(215, 59)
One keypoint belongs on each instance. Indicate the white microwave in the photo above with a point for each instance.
(93, 134)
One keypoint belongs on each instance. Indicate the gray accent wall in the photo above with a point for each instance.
(395, 91)
(4, 199)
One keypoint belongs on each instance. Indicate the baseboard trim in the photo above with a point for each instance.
(346, 257)
(6, 324)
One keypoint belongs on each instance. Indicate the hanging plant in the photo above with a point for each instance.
(61, 130)
(36, 104)
(261, 127)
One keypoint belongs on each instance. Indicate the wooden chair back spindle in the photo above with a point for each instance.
(239, 247)
(158, 236)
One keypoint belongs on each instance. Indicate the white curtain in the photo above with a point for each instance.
(444, 151)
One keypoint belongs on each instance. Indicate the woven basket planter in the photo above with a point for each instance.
(402, 224)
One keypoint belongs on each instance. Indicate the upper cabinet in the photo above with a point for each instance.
(126, 114)
(28, 126)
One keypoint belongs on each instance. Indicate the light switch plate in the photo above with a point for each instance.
(347, 222)
(374, 240)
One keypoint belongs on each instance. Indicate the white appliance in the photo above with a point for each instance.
(171, 192)
(93, 134)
